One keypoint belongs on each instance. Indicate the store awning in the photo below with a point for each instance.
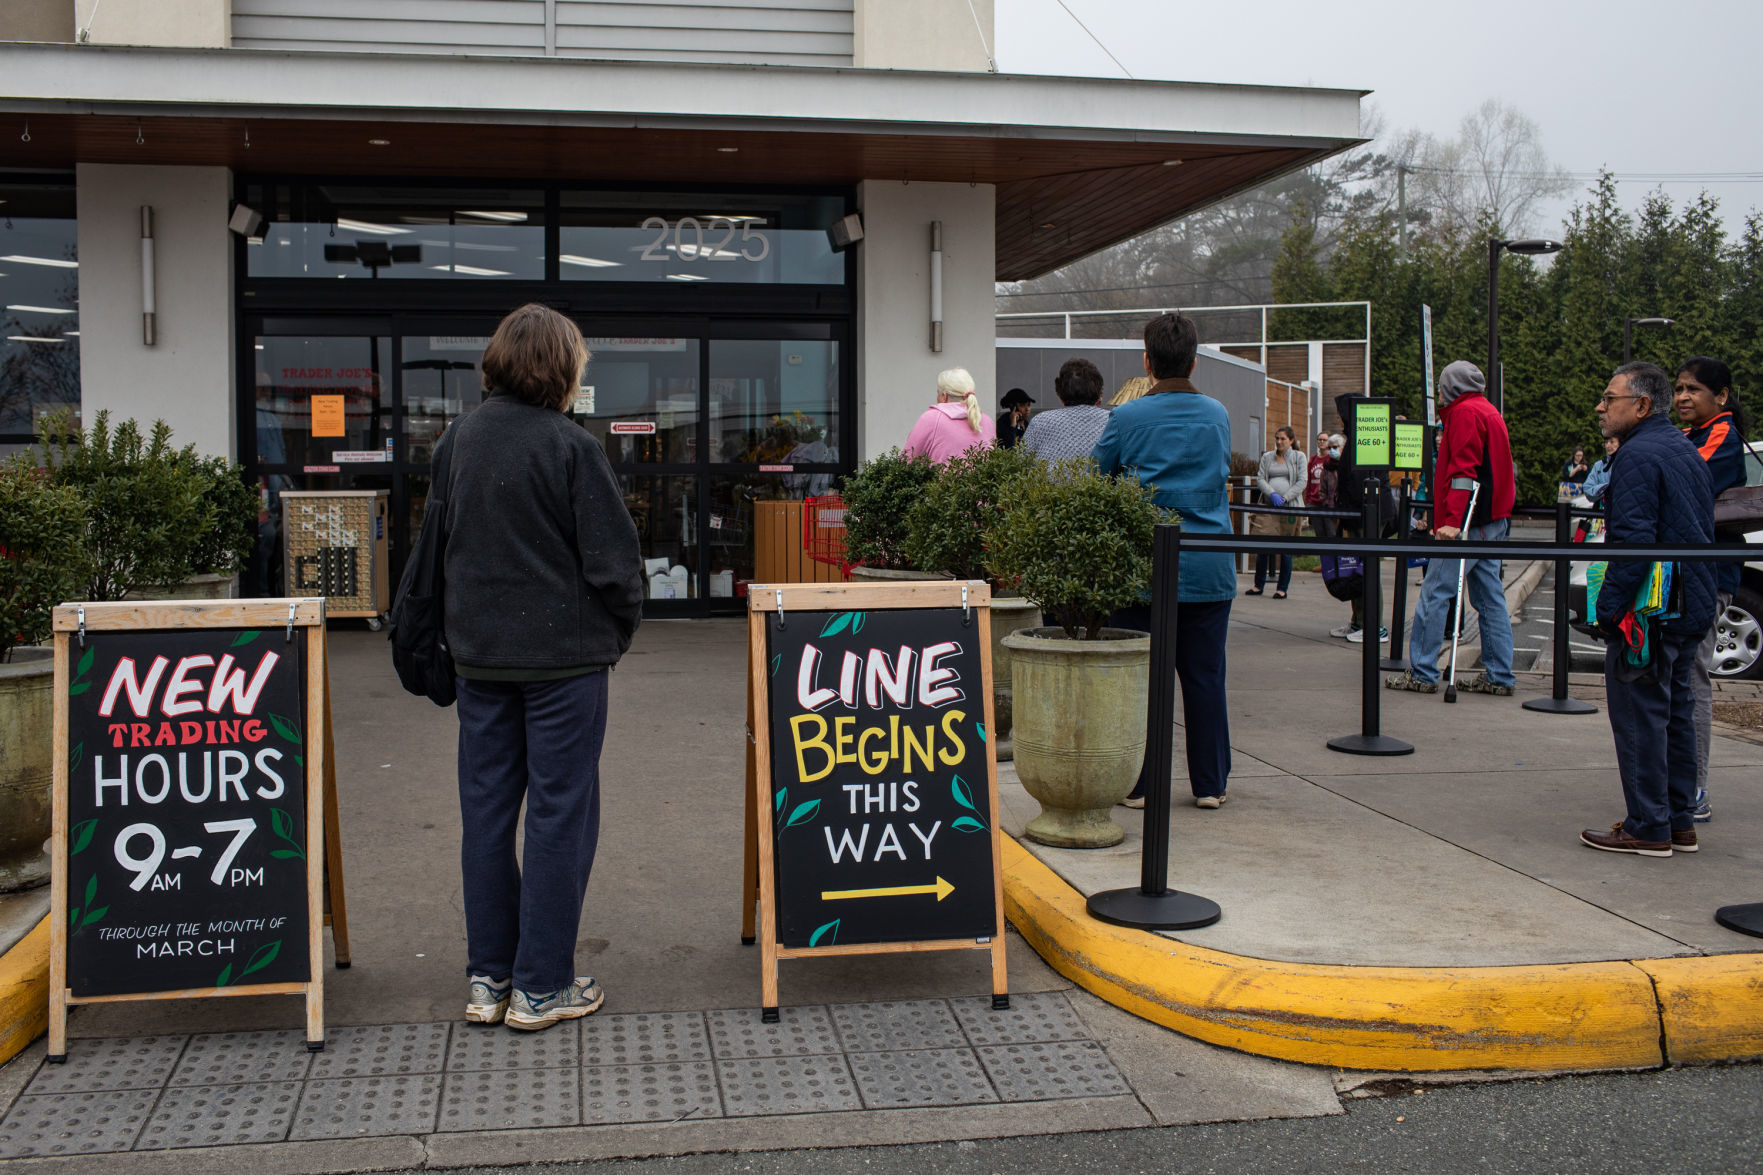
(1078, 163)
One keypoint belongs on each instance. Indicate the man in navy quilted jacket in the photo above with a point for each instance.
(1659, 493)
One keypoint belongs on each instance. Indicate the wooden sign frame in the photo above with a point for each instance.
(759, 908)
(325, 901)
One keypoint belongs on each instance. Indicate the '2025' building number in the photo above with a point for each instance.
(755, 244)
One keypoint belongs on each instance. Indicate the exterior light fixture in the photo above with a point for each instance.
(1628, 325)
(728, 150)
(1529, 247)
(936, 285)
(379, 142)
(149, 327)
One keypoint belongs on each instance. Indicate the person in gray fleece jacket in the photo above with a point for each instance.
(543, 589)
(1280, 479)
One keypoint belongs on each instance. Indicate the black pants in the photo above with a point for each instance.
(1200, 631)
(1654, 726)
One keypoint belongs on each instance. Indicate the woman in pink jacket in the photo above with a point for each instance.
(954, 424)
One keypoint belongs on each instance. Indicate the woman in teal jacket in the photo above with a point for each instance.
(1177, 439)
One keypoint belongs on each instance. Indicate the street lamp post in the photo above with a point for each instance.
(1628, 325)
(1530, 248)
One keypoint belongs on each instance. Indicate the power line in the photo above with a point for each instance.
(1094, 37)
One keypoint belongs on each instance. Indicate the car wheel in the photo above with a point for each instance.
(1738, 637)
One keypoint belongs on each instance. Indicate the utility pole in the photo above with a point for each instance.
(1402, 208)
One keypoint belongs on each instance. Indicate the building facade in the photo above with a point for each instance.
(343, 197)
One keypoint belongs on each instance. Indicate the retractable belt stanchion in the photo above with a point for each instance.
(1397, 660)
(1558, 702)
(1153, 905)
(1369, 741)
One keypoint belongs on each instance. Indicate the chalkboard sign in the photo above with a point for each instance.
(873, 772)
(186, 807)
(193, 786)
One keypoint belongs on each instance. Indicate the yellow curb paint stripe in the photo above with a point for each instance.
(1712, 1006)
(1561, 1016)
(24, 992)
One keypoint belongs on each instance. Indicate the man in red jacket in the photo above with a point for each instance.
(1474, 447)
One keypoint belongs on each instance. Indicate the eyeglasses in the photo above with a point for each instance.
(1607, 399)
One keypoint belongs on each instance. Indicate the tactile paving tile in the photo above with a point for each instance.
(650, 1093)
(229, 1058)
(356, 1107)
(136, 1062)
(219, 1115)
(645, 1038)
(1033, 1072)
(898, 1024)
(786, 1085)
(800, 1032)
(1042, 1015)
(490, 1047)
(75, 1123)
(921, 1077)
(383, 1050)
(508, 1101)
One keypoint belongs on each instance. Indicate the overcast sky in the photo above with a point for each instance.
(1651, 86)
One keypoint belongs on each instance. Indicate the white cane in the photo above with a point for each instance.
(1474, 488)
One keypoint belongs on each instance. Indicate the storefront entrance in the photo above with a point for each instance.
(702, 418)
(720, 325)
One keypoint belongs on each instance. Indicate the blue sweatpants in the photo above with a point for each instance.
(535, 741)
(1655, 731)
(1200, 631)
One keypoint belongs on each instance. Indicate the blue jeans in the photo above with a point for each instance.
(538, 741)
(1264, 569)
(1200, 631)
(1654, 726)
(1433, 614)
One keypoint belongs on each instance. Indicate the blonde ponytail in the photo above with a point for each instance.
(958, 382)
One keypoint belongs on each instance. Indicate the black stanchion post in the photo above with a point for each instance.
(1397, 660)
(1369, 740)
(1153, 905)
(1558, 702)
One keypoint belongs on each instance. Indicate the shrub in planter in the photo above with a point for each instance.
(226, 545)
(877, 499)
(949, 526)
(41, 529)
(151, 509)
(1077, 543)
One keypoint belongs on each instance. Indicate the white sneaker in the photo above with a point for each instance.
(530, 1012)
(1347, 630)
(1216, 801)
(1357, 637)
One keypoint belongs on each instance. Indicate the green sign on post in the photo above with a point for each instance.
(1371, 434)
(1410, 445)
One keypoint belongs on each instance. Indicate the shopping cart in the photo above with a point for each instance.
(823, 531)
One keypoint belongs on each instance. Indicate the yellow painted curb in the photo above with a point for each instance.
(1712, 1006)
(24, 992)
(1561, 1016)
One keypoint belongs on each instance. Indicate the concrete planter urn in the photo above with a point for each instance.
(1009, 614)
(27, 713)
(1080, 729)
(864, 574)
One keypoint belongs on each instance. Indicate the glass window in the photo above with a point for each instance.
(39, 305)
(776, 402)
(640, 399)
(329, 230)
(660, 237)
(665, 510)
(323, 401)
(441, 383)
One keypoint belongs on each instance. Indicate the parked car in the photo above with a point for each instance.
(1738, 642)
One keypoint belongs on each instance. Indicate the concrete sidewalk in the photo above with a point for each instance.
(1451, 878)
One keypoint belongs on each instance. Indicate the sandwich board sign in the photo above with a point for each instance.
(194, 794)
(872, 798)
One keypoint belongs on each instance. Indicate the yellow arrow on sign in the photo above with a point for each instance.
(942, 889)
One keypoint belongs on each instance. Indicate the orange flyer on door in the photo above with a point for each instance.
(327, 416)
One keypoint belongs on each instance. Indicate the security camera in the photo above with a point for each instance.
(246, 221)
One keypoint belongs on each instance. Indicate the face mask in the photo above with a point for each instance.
(1333, 452)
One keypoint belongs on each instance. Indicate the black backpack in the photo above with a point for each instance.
(419, 647)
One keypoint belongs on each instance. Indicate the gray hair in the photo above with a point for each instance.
(1647, 381)
(1337, 439)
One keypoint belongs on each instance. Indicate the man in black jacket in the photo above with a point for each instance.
(1659, 493)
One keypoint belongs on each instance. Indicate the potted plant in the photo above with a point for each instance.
(1078, 544)
(877, 499)
(157, 518)
(949, 529)
(41, 526)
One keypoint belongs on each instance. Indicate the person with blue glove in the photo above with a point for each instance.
(1280, 479)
